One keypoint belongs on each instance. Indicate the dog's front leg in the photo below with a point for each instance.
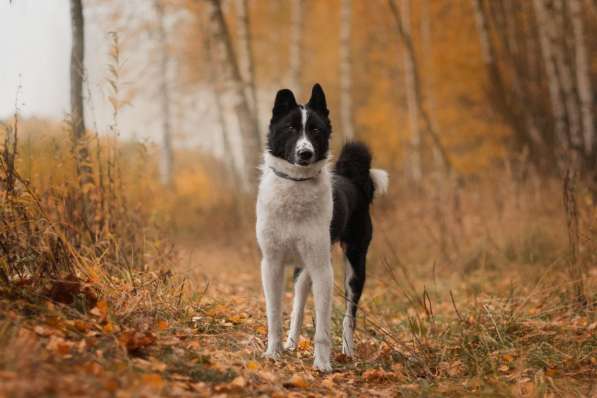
(272, 276)
(322, 276)
(302, 285)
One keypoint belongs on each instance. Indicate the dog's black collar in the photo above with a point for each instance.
(287, 177)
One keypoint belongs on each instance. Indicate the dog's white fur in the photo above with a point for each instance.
(381, 180)
(293, 228)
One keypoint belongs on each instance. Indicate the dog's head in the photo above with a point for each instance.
(300, 134)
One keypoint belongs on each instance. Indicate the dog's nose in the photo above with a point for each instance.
(305, 154)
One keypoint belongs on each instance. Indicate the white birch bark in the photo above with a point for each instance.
(583, 78)
(346, 116)
(166, 158)
(411, 99)
(557, 103)
(558, 40)
(245, 53)
(296, 45)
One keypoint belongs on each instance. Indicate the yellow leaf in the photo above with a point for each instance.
(108, 328)
(304, 345)
(253, 365)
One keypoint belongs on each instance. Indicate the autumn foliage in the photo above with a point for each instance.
(481, 280)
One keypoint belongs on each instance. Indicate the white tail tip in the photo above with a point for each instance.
(381, 180)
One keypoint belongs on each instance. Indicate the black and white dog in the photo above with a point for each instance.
(302, 208)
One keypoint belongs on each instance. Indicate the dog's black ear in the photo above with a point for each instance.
(317, 101)
(284, 103)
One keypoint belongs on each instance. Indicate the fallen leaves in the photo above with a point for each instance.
(378, 376)
(297, 381)
(101, 309)
(135, 341)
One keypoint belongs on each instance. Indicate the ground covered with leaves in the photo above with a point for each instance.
(203, 334)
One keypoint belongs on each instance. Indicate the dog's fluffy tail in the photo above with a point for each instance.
(354, 163)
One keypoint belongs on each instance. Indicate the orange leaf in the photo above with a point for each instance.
(162, 324)
(296, 381)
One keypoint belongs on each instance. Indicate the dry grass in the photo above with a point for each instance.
(469, 289)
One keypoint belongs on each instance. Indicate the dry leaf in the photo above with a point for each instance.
(135, 341)
(253, 365)
(297, 381)
(154, 380)
(240, 382)
(162, 325)
(376, 376)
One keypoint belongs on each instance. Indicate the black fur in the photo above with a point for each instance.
(353, 191)
(286, 125)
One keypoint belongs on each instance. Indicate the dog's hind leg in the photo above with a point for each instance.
(354, 282)
(302, 285)
(272, 276)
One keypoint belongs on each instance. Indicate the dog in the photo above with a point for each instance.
(303, 206)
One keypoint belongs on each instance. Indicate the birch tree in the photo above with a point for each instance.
(217, 85)
(346, 115)
(246, 59)
(166, 158)
(557, 36)
(553, 83)
(226, 58)
(296, 45)
(412, 99)
(583, 77)
(77, 73)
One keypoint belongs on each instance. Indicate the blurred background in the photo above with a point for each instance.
(130, 138)
(454, 97)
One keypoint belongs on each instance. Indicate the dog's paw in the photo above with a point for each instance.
(347, 350)
(273, 355)
(322, 366)
(290, 345)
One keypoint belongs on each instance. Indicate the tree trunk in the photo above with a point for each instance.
(583, 77)
(553, 83)
(558, 38)
(411, 100)
(166, 158)
(410, 53)
(296, 45)
(217, 84)
(427, 53)
(245, 55)
(346, 116)
(248, 126)
(77, 73)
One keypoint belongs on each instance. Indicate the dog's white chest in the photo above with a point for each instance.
(291, 210)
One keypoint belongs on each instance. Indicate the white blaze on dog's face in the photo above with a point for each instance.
(299, 134)
(304, 150)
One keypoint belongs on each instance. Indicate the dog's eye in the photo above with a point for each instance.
(315, 131)
(291, 128)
